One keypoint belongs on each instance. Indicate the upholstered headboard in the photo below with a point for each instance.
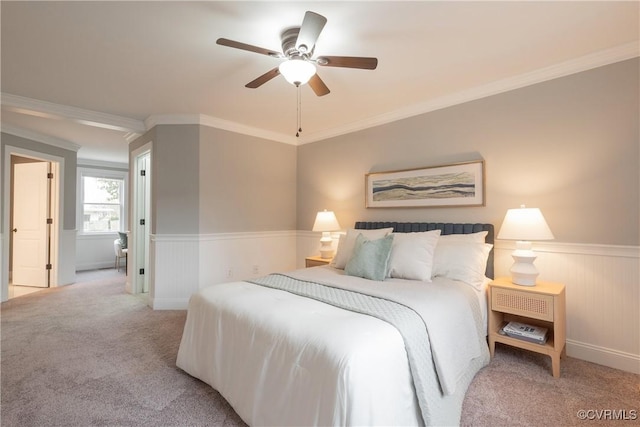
(445, 228)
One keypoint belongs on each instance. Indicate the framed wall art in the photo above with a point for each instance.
(459, 184)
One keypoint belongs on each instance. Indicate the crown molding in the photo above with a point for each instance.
(102, 164)
(38, 137)
(131, 136)
(572, 66)
(214, 122)
(134, 128)
(38, 108)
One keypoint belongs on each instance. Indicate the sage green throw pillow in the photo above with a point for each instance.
(370, 258)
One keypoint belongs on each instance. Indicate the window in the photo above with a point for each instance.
(102, 202)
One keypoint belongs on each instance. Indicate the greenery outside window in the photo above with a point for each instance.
(102, 202)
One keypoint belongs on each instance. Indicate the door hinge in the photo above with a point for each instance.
(48, 266)
(50, 175)
(142, 271)
(49, 220)
(143, 173)
(142, 222)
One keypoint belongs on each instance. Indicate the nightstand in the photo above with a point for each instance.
(539, 305)
(315, 261)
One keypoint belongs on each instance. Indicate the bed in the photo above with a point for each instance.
(330, 346)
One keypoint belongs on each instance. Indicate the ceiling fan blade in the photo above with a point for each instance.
(318, 85)
(250, 48)
(348, 62)
(263, 78)
(312, 25)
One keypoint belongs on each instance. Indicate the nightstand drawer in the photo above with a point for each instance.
(535, 306)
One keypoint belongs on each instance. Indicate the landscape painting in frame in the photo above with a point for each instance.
(460, 184)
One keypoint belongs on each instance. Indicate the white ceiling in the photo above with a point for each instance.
(90, 74)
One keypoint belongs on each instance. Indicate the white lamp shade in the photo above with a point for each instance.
(297, 71)
(326, 221)
(525, 224)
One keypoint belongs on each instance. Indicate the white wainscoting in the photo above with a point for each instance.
(67, 258)
(602, 281)
(185, 263)
(308, 244)
(4, 295)
(94, 251)
(603, 297)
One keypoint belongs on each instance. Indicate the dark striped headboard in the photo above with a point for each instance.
(445, 228)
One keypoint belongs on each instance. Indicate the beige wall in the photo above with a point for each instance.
(207, 180)
(175, 179)
(569, 146)
(246, 183)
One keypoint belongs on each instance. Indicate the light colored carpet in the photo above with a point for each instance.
(91, 355)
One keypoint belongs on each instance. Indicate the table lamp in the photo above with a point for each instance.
(326, 222)
(524, 224)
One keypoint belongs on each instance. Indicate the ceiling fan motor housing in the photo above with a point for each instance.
(289, 38)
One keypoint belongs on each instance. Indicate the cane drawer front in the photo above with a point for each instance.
(522, 303)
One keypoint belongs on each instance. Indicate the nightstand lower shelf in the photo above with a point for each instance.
(548, 348)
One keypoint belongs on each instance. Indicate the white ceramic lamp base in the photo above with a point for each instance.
(326, 245)
(523, 271)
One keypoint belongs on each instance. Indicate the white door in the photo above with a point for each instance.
(143, 206)
(30, 212)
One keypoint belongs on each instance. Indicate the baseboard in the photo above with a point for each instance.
(604, 356)
(169, 303)
(96, 266)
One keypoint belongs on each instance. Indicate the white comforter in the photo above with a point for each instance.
(281, 359)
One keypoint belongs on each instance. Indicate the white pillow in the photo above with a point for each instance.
(478, 237)
(348, 241)
(464, 261)
(412, 255)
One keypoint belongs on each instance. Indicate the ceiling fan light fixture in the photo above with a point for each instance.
(297, 71)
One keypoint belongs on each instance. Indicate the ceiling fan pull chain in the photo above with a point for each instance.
(299, 111)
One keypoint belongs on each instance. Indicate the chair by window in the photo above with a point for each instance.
(120, 253)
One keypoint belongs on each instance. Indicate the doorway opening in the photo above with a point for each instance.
(33, 223)
(139, 254)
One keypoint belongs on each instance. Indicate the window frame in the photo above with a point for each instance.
(108, 174)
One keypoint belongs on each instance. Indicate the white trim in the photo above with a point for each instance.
(59, 268)
(135, 282)
(184, 263)
(604, 356)
(572, 66)
(169, 303)
(131, 136)
(3, 296)
(222, 236)
(102, 164)
(217, 123)
(38, 137)
(187, 262)
(576, 248)
(30, 106)
(96, 265)
(81, 172)
(67, 258)
(135, 128)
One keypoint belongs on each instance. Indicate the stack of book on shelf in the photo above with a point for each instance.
(534, 334)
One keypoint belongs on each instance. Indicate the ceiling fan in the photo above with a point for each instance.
(298, 44)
